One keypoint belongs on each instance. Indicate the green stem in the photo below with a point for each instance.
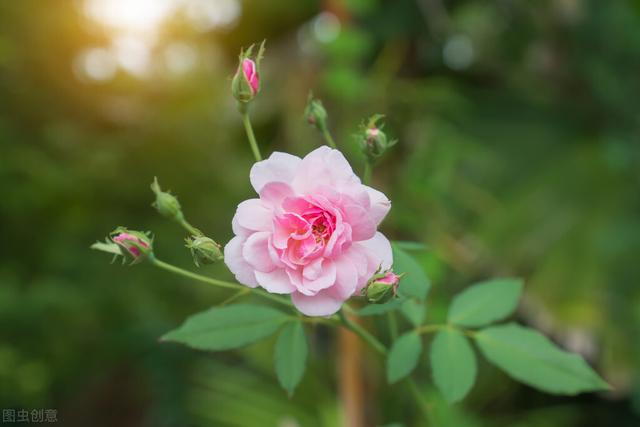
(393, 325)
(417, 396)
(240, 293)
(328, 138)
(362, 333)
(425, 329)
(249, 129)
(220, 283)
(366, 176)
(190, 228)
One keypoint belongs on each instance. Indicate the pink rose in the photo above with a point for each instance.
(312, 233)
(251, 74)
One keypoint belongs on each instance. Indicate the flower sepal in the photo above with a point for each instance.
(166, 203)
(204, 250)
(382, 287)
(374, 142)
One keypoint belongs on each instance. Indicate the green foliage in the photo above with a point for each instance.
(291, 356)
(415, 283)
(485, 302)
(407, 245)
(414, 311)
(529, 357)
(403, 356)
(453, 364)
(376, 309)
(224, 328)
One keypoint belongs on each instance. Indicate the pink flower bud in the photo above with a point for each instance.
(130, 243)
(382, 287)
(390, 278)
(372, 133)
(251, 74)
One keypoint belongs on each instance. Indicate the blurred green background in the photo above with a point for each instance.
(518, 125)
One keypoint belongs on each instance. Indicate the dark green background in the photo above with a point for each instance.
(525, 162)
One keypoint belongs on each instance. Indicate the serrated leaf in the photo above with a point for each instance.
(415, 283)
(485, 302)
(403, 356)
(414, 311)
(531, 358)
(224, 328)
(291, 356)
(376, 309)
(453, 364)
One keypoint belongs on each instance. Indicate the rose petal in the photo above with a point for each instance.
(346, 279)
(380, 205)
(254, 215)
(362, 225)
(276, 281)
(279, 167)
(324, 167)
(256, 251)
(273, 193)
(237, 264)
(325, 278)
(321, 304)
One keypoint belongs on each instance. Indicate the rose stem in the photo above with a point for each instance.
(216, 282)
(328, 138)
(249, 129)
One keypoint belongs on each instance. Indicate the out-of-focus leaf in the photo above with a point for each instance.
(291, 356)
(375, 309)
(410, 246)
(453, 364)
(529, 357)
(414, 311)
(224, 328)
(485, 302)
(415, 283)
(403, 356)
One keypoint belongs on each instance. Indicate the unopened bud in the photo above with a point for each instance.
(166, 203)
(134, 245)
(373, 140)
(382, 287)
(246, 82)
(315, 114)
(204, 250)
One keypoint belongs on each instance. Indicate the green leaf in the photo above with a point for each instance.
(375, 309)
(223, 328)
(414, 311)
(529, 357)
(403, 356)
(453, 364)
(291, 356)
(415, 284)
(485, 302)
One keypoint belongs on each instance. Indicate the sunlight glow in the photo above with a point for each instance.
(137, 45)
(134, 16)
